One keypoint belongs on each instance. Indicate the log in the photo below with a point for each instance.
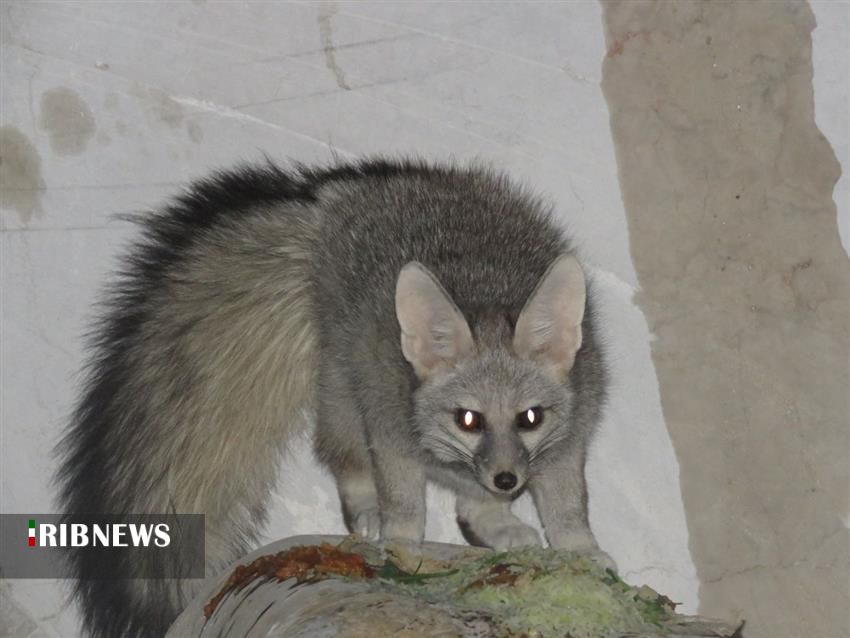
(335, 586)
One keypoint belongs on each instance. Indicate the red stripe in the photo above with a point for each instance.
(31, 541)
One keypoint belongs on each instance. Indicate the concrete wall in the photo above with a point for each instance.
(679, 143)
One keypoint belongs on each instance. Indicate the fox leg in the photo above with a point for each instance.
(340, 444)
(359, 500)
(488, 522)
(560, 494)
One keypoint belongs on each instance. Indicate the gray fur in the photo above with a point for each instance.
(290, 303)
(487, 244)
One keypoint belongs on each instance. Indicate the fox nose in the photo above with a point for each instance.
(505, 480)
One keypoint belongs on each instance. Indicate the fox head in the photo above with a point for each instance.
(492, 398)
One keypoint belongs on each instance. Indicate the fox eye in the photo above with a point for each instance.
(529, 419)
(468, 420)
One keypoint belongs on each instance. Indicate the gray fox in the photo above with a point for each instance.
(434, 319)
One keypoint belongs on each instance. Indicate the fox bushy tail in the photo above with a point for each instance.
(202, 364)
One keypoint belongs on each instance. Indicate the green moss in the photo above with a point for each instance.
(539, 592)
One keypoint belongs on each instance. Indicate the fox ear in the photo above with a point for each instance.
(548, 330)
(433, 331)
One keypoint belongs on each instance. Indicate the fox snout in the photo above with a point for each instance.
(505, 481)
(502, 463)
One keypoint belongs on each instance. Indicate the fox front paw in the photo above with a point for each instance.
(495, 528)
(368, 524)
(403, 529)
(585, 544)
(603, 559)
(512, 536)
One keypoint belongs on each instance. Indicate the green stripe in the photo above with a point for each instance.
(32, 524)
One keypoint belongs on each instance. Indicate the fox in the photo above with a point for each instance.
(432, 319)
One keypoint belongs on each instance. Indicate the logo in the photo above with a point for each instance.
(98, 535)
(109, 546)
